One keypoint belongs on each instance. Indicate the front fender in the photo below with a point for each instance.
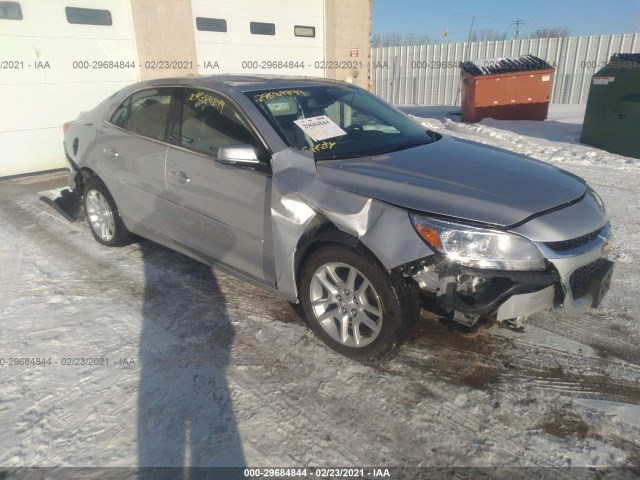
(299, 196)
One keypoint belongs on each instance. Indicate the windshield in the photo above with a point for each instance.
(336, 121)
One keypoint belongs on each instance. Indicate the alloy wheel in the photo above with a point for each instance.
(346, 304)
(100, 215)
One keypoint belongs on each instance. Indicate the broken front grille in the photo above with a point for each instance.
(581, 278)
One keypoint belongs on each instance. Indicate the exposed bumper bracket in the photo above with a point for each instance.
(526, 304)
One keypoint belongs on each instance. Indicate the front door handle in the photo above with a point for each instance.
(181, 177)
(110, 152)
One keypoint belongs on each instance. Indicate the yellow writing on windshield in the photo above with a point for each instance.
(207, 99)
(280, 93)
(321, 146)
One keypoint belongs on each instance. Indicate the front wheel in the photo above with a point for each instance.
(102, 215)
(353, 304)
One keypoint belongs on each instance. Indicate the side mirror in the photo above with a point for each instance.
(242, 153)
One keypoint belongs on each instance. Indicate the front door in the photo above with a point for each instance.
(221, 210)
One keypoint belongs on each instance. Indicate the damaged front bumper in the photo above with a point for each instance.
(585, 272)
(577, 277)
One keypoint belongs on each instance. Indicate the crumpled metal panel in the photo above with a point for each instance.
(299, 195)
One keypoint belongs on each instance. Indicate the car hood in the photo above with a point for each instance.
(458, 178)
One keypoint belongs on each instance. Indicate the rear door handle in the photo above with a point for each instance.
(181, 177)
(110, 152)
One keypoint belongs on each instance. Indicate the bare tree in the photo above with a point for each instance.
(556, 32)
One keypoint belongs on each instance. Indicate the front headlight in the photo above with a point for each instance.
(478, 247)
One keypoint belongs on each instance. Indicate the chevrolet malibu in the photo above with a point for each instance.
(333, 199)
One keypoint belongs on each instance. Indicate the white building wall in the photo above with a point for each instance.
(57, 67)
(35, 102)
(239, 51)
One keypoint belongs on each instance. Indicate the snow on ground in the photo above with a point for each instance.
(149, 358)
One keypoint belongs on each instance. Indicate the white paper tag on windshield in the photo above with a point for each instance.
(320, 128)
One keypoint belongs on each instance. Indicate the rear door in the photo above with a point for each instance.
(134, 152)
(220, 210)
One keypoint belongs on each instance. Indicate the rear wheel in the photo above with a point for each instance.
(102, 215)
(353, 304)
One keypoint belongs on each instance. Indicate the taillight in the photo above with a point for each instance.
(65, 127)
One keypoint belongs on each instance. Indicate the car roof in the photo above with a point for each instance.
(244, 83)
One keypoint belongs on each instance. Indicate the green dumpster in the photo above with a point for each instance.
(612, 117)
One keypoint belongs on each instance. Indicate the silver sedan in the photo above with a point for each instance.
(331, 198)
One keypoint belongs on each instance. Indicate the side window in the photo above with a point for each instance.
(145, 113)
(209, 122)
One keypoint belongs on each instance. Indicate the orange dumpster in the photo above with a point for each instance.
(516, 88)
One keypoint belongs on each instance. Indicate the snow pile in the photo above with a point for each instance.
(556, 140)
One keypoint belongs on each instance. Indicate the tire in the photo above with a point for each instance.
(102, 215)
(353, 304)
